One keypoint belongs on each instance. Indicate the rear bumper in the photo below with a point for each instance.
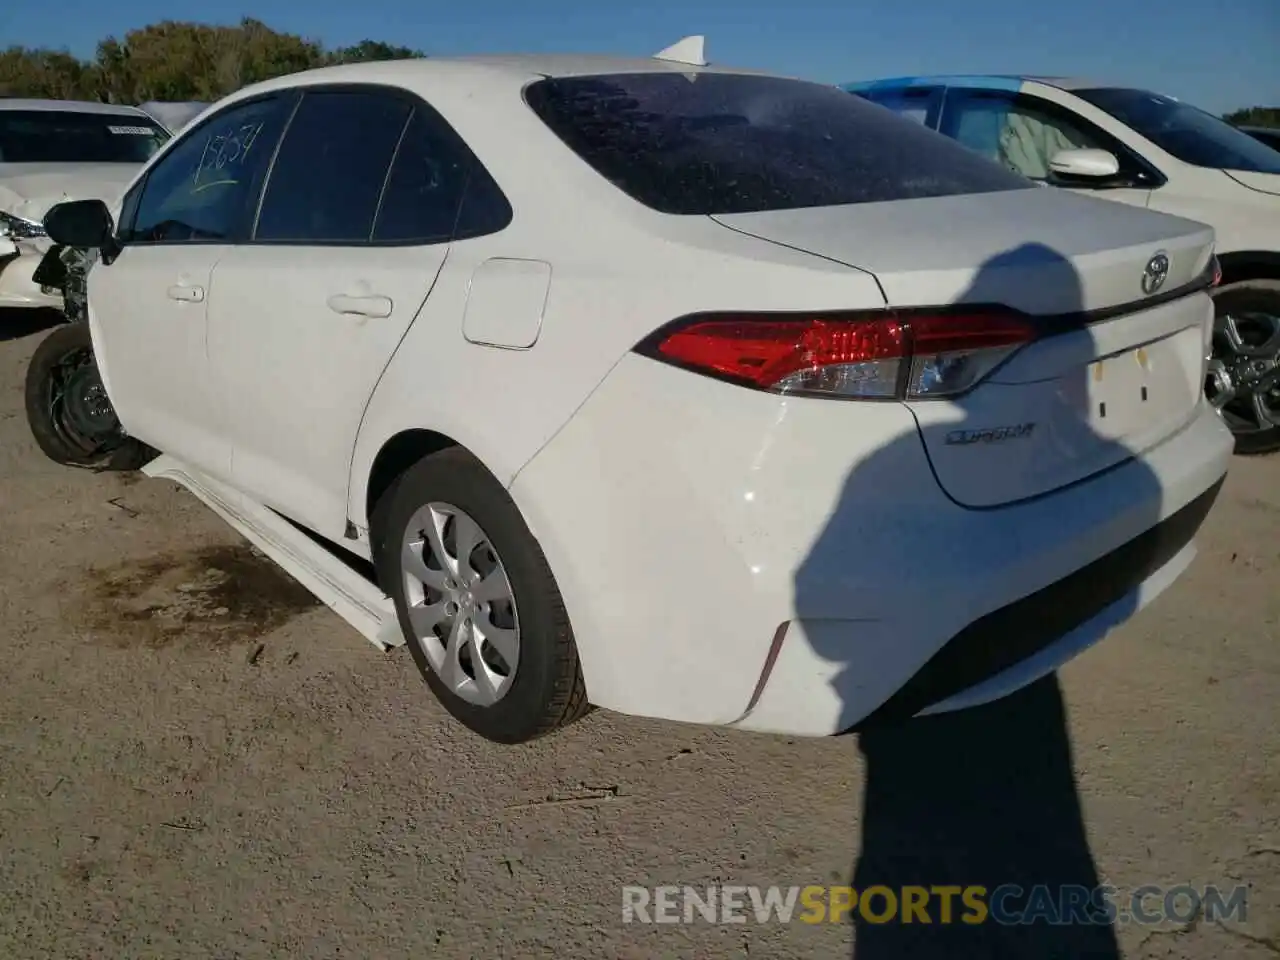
(18, 288)
(687, 521)
(1017, 644)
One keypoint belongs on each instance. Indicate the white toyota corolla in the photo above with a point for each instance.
(678, 390)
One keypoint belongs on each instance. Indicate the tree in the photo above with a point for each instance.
(1255, 117)
(175, 60)
(41, 73)
(372, 50)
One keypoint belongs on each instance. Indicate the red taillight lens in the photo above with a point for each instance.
(885, 355)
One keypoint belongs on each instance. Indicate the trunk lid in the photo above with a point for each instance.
(1122, 366)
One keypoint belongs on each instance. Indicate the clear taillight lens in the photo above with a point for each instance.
(911, 355)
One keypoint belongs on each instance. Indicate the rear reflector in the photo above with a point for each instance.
(856, 356)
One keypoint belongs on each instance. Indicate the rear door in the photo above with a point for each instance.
(354, 227)
(1022, 132)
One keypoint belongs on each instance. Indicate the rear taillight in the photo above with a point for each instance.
(910, 355)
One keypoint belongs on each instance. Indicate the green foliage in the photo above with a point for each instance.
(174, 60)
(1255, 117)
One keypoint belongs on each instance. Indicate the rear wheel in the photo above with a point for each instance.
(68, 410)
(478, 606)
(1244, 371)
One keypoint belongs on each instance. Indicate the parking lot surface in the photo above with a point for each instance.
(198, 760)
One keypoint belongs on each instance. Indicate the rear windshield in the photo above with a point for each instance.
(66, 136)
(1188, 133)
(708, 143)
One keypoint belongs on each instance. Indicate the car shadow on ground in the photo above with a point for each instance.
(984, 796)
(16, 324)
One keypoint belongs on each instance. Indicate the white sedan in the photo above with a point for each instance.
(678, 390)
(54, 150)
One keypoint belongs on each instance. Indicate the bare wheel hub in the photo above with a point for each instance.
(79, 405)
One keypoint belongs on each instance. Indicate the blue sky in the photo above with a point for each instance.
(1215, 59)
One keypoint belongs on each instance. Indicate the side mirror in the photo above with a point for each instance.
(1095, 165)
(80, 223)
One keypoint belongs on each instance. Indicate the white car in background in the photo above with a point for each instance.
(678, 390)
(174, 114)
(54, 150)
(1152, 151)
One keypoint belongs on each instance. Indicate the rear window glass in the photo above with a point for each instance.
(719, 143)
(65, 136)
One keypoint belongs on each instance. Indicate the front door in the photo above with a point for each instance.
(150, 305)
(354, 227)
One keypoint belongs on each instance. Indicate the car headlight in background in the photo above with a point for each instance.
(15, 228)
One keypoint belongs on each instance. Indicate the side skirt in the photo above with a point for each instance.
(334, 582)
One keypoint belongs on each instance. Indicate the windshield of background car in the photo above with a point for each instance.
(719, 143)
(1185, 132)
(65, 136)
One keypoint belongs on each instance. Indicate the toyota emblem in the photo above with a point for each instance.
(1157, 272)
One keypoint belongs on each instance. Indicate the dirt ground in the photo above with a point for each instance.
(199, 761)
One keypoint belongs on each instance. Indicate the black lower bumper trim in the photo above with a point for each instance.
(1005, 637)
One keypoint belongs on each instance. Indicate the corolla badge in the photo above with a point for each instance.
(1157, 271)
(1015, 431)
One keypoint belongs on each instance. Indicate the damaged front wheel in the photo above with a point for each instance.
(68, 410)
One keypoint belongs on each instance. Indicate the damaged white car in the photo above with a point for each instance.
(55, 150)
(666, 388)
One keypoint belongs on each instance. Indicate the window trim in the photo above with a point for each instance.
(1126, 155)
(441, 126)
(237, 235)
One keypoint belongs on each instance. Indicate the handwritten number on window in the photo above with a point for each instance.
(223, 154)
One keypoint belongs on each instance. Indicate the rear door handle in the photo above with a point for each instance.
(361, 306)
(186, 293)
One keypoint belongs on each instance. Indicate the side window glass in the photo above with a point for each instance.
(913, 103)
(205, 187)
(332, 165)
(1030, 138)
(1015, 134)
(129, 209)
(485, 208)
(424, 191)
(976, 122)
(438, 190)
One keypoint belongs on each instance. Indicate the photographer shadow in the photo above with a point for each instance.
(984, 796)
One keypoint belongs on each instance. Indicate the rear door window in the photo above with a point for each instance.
(329, 174)
(437, 188)
(720, 143)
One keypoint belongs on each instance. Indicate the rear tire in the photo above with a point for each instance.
(543, 689)
(1246, 350)
(68, 411)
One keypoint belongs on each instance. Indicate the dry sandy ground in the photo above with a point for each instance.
(197, 761)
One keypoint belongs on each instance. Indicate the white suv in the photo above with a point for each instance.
(1148, 150)
(54, 150)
